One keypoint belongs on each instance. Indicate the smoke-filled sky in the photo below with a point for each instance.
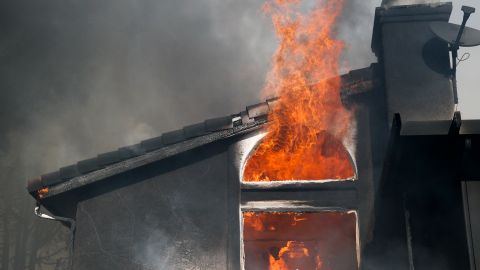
(80, 77)
(83, 77)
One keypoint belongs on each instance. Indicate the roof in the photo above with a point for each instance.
(354, 83)
(167, 144)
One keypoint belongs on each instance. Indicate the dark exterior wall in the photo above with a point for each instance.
(433, 198)
(471, 191)
(472, 203)
(175, 216)
(419, 208)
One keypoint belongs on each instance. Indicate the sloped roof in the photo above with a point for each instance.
(167, 144)
(354, 83)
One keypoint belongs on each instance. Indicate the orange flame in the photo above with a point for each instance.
(308, 122)
(293, 255)
(42, 192)
(300, 241)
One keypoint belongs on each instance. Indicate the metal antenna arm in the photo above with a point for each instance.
(467, 11)
(456, 36)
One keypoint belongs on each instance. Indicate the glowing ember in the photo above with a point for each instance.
(299, 241)
(42, 192)
(308, 123)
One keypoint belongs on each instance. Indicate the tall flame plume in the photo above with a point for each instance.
(308, 123)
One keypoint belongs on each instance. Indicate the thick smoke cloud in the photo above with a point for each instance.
(83, 77)
(355, 28)
(78, 78)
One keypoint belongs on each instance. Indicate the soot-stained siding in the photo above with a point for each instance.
(174, 217)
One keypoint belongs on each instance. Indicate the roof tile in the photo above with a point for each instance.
(173, 137)
(69, 172)
(88, 165)
(108, 158)
(51, 178)
(219, 123)
(131, 151)
(195, 130)
(152, 144)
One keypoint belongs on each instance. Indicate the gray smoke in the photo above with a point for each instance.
(78, 78)
(82, 77)
(355, 28)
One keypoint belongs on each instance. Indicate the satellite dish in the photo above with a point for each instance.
(456, 36)
(448, 32)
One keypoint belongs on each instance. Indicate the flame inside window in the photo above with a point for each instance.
(324, 158)
(308, 122)
(299, 241)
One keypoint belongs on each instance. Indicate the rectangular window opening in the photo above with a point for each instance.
(300, 240)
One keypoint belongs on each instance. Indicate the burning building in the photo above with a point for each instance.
(373, 169)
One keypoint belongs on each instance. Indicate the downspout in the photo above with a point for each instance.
(69, 221)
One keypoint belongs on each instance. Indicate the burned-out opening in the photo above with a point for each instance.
(325, 159)
(299, 240)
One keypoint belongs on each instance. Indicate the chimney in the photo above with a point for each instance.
(415, 63)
